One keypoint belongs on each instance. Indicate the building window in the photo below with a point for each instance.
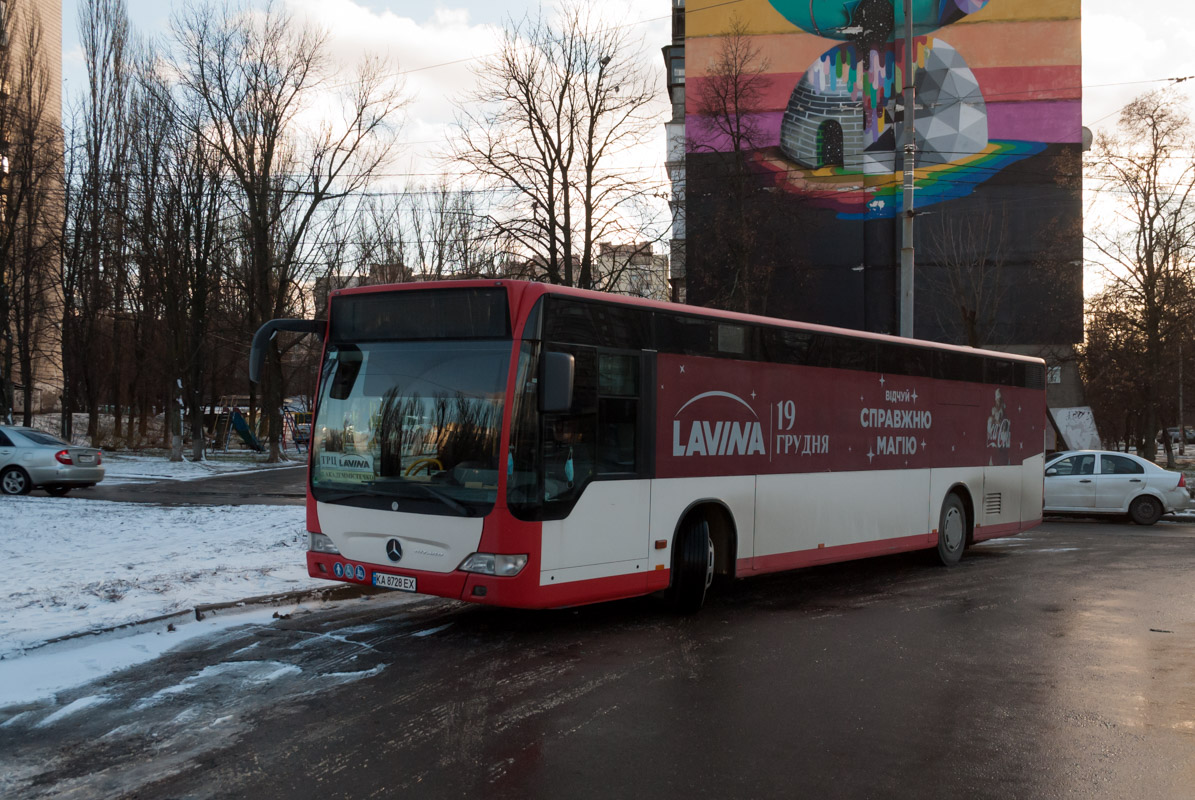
(1053, 374)
(678, 70)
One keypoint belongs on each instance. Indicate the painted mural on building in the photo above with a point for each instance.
(997, 133)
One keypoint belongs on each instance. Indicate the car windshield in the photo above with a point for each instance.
(37, 437)
(411, 426)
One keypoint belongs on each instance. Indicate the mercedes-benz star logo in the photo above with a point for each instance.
(394, 550)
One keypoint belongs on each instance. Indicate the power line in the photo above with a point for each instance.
(403, 72)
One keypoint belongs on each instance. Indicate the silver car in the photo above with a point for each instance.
(1099, 482)
(31, 459)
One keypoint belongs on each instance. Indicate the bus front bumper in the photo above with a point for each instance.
(517, 591)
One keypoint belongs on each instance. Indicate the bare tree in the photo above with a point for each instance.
(734, 91)
(728, 103)
(1145, 172)
(965, 266)
(181, 237)
(545, 126)
(254, 72)
(433, 223)
(1110, 362)
(93, 248)
(383, 243)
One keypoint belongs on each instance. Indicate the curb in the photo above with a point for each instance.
(200, 612)
(325, 594)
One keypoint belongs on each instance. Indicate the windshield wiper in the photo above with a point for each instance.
(336, 497)
(459, 508)
(329, 496)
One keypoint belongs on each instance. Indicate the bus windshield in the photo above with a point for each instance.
(410, 426)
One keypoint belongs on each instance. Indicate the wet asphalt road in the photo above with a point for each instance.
(1060, 664)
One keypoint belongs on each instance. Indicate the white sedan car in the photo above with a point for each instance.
(1099, 482)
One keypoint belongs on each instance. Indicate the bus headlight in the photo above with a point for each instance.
(494, 564)
(318, 543)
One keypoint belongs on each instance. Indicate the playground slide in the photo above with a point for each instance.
(242, 428)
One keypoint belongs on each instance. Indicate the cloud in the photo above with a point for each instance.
(431, 57)
(1132, 50)
(436, 57)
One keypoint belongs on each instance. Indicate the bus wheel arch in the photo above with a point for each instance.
(964, 495)
(723, 533)
(956, 525)
(704, 547)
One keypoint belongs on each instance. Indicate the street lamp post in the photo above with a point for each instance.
(909, 98)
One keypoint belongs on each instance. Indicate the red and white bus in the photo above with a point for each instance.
(528, 445)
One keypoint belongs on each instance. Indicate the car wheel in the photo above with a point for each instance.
(15, 480)
(1145, 510)
(58, 491)
(952, 530)
(692, 566)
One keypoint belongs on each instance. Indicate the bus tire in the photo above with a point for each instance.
(1145, 510)
(952, 530)
(692, 565)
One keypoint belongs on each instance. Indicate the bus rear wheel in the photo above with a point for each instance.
(692, 565)
(952, 530)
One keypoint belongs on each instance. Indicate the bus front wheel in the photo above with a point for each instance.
(952, 530)
(692, 565)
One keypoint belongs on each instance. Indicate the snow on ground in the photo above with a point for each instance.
(78, 565)
(57, 667)
(123, 467)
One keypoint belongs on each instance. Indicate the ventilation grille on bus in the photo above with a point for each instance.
(1035, 376)
(991, 504)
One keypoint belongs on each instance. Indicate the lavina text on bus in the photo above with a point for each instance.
(719, 439)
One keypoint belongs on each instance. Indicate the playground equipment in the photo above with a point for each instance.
(230, 419)
(242, 429)
(289, 428)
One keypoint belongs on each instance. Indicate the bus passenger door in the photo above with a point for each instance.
(608, 459)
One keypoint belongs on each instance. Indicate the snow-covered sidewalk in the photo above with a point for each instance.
(123, 467)
(75, 565)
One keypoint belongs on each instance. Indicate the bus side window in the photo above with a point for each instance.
(599, 435)
(569, 442)
(618, 413)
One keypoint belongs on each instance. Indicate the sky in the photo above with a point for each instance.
(433, 43)
(1125, 53)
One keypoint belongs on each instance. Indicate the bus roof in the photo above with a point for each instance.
(525, 293)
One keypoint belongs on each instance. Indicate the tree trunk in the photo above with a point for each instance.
(174, 412)
(93, 421)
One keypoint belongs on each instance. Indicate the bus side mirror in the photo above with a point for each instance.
(556, 382)
(266, 333)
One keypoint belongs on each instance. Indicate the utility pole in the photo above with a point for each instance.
(909, 98)
(1182, 430)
